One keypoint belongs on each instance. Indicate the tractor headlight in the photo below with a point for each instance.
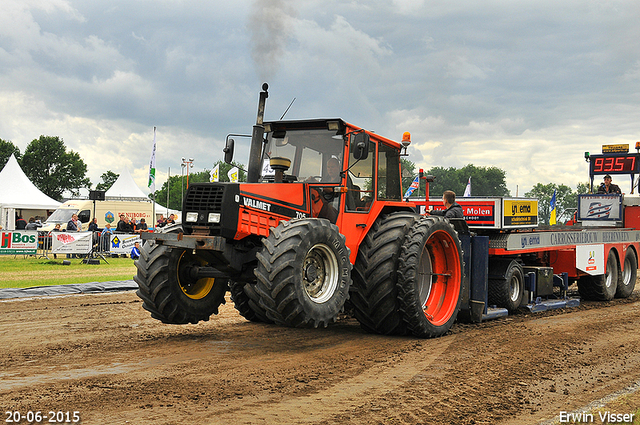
(214, 218)
(192, 217)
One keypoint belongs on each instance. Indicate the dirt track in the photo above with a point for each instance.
(104, 356)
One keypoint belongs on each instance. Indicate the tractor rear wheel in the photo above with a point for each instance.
(303, 273)
(374, 294)
(601, 287)
(430, 277)
(168, 291)
(246, 301)
(627, 279)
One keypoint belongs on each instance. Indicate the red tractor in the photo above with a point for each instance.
(320, 224)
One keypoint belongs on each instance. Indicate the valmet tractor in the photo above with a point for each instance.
(319, 224)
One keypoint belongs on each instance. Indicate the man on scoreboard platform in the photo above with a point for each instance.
(608, 187)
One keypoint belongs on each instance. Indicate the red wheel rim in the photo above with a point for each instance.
(441, 277)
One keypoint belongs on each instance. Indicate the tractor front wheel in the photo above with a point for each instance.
(167, 289)
(303, 273)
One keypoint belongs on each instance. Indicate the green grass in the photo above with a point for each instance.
(20, 272)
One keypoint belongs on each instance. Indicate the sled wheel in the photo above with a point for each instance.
(430, 277)
(627, 279)
(303, 273)
(246, 301)
(506, 284)
(167, 290)
(601, 287)
(374, 294)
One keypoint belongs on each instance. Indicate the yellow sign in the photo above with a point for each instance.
(520, 212)
(615, 148)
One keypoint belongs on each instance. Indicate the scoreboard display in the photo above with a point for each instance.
(621, 163)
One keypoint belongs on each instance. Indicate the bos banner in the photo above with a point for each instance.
(123, 244)
(18, 242)
(71, 242)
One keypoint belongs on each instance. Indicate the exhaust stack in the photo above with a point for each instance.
(257, 136)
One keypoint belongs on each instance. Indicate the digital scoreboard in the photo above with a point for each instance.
(618, 163)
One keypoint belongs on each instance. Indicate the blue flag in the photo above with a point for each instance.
(552, 217)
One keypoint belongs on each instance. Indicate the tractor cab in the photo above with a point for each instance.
(345, 167)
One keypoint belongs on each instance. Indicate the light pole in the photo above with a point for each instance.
(185, 164)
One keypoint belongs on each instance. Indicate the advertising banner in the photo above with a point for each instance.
(590, 259)
(477, 212)
(123, 243)
(600, 207)
(71, 242)
(520, 213)
(14, 242)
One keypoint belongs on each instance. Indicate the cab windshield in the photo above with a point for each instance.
(314, 154)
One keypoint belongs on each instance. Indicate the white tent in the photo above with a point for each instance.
(18, 193)
(125, 188)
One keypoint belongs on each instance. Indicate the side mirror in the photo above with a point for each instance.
(228, 151)
(360, 145)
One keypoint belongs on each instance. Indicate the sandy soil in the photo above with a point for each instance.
(106, 358)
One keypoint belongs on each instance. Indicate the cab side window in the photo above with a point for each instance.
(389, 183)
(360, 182)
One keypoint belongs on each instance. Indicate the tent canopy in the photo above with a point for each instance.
(17, 191)
(125, 188)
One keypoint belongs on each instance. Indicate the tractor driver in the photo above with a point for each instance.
(333, 171)
(608, 187)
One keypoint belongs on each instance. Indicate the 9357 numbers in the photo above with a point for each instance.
(37, 417)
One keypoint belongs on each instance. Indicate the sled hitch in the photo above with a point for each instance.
(180, 240)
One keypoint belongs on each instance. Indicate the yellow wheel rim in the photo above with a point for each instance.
(201, 287)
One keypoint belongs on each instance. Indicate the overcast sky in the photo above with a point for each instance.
(526, 86)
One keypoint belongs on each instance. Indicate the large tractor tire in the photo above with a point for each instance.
(374, 294)
(627, 279)
(506, 284)
(601, 287)
(303, 273)
(167, 291)
(247, 302)
(430, 277)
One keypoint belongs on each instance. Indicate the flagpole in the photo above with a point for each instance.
(152, 177)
